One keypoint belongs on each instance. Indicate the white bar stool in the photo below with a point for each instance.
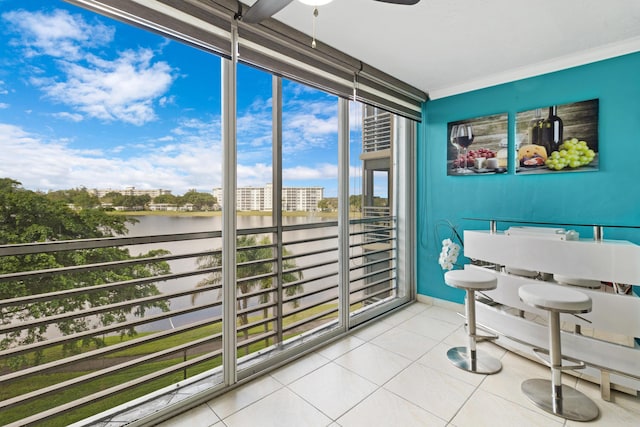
(468, 358)
(553, 396)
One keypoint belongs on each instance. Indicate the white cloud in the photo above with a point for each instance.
(319, 172)
(42, 164)
(57, 33)
(3, 105)
(74, 117)
(124, 89)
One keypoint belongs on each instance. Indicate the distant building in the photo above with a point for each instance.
(294, 199)
(129, 191)
(163, 207)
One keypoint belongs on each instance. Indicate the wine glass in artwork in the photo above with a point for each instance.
(452, 139)
(464, 138)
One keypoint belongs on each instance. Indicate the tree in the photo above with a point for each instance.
(26, 217)
(328, 204)
(78, 197)
(200, 201)
(355, 202)
(166, 198)
(253, 252)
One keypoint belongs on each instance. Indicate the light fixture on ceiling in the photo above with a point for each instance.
(315, 4)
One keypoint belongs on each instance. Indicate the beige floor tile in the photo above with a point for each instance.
(299, 368)
(370, 332)
(200, 416)
(623, 410)
(243, 396)
(437, 359)
(384, 408)
(445, 315)
(338, 348)
(484, 409)
(373, 363)
(405, 343)
(516, 369)
(280, 409)
(396, 318)
(333, 389)
(433, 391)
(417, 307)
(428, 326)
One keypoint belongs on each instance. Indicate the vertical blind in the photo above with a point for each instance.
(270, 45)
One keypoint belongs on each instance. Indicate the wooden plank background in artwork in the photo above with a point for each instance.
(579, 120)
(488, 131)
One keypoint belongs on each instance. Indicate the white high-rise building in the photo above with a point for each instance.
(300, 199)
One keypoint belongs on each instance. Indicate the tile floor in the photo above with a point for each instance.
(395, 373)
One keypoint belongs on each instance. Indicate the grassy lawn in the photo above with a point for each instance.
(37, 382)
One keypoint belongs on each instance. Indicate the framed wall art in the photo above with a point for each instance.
(478, 146)
(558, 138)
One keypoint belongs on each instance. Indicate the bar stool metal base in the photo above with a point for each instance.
(483, 363)
(573, 405)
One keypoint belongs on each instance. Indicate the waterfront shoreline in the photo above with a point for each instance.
(219, 213)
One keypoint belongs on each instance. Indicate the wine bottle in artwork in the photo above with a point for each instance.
(552, 130)
(535, 128)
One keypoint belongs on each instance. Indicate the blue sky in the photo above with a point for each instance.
(88, 101)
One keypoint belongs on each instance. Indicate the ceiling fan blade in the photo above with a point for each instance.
(263, 9)
(405, 2)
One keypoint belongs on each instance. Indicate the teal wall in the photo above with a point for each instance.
(610, 195)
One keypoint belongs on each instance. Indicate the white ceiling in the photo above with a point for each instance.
(444, 47)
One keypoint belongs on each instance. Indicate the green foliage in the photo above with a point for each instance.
(128, 201)
(26, 217)
(200, 201)
(79, 198)
(166, 198)
(355, 203)
(249, 251)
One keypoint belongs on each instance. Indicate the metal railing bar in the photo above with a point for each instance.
(100, 266)
(309, 253)
(355, 290)
(372, 263)
(307, 307)
(104, 330)
(310, 319)
(310, 280)
(369, 296)
(104, 351)
(309, 225)
(315, 239)
(46, 391)
(372, 274)
(257, 277)
(368, 253)
(311, 266)
(102, 242)
(257, 323)
(257, 307)
(259, 292)
(372, 241)
(87, 400)
(254, 339)
(259, 230)
(93, 311)
(106, 286)
(308, 294)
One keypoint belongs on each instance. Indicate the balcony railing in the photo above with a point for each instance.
(126, 328)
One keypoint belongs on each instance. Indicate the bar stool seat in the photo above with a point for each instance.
(553, 396)
(468, 358)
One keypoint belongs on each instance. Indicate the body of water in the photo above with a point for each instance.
(158, 225)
